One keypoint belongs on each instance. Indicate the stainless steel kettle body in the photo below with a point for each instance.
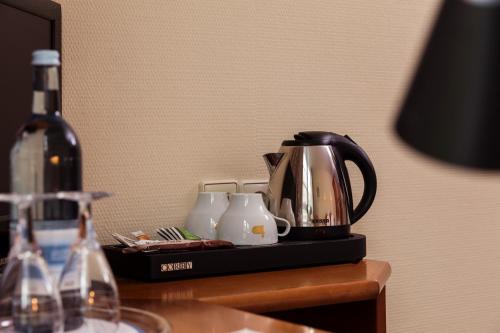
(309, 184)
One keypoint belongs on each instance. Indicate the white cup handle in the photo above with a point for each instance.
(288, 226)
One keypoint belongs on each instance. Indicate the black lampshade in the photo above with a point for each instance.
(452, 109)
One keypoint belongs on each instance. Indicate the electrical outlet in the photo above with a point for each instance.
(229, 186)
(253, 186)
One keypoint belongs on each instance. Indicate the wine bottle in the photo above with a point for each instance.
(46, 157)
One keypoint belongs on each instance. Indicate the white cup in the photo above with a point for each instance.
(248, 222)
(206, 213)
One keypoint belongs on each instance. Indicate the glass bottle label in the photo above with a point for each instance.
(56, 246)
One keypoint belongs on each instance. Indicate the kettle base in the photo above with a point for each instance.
(316, 233)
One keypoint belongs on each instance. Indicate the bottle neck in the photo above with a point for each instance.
(46, 99)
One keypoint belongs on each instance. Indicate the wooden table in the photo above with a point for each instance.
(342, 298)
(195, 316)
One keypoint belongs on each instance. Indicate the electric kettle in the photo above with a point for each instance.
(309, 185)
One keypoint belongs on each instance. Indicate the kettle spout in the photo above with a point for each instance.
(272, 161)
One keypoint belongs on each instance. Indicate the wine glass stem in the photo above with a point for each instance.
(25, 227)
(86, 227)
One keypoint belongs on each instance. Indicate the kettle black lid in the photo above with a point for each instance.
(311, 138)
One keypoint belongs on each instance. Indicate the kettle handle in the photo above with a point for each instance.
(349, 151)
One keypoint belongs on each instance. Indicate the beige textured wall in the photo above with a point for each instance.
(164, 94)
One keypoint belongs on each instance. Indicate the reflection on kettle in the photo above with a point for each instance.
(309, 184)
(286, 211)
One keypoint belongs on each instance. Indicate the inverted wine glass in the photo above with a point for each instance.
(88, 288)
(29, 300)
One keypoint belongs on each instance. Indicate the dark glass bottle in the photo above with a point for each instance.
(46, 157)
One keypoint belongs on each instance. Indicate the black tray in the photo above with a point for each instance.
(157, 266)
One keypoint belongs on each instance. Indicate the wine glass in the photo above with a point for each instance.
(29, 301)
(88, 288)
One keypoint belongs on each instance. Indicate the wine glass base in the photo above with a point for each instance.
(132, 321)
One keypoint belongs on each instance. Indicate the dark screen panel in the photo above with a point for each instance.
(21, 32)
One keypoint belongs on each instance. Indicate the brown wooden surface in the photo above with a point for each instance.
(272, 291)
(380, 313)
(194, 316)
(353, 317)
